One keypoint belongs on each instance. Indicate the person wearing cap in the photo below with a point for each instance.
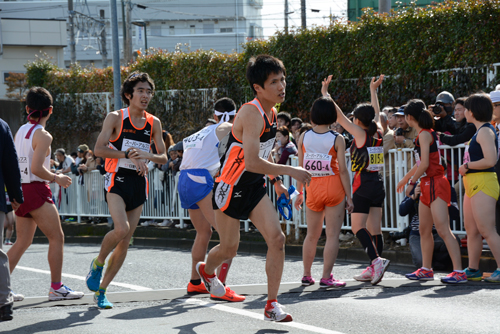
(442, 110)
(82, 152)
(65, 161)
(180, 151)
(404, 135)
(495, 99)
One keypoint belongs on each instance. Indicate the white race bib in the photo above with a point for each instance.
(318, 164)
(24, 166)
(196, 140)
(266, 148)
(129, 143)
(376, 155)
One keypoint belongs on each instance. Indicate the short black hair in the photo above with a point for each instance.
(285, 116)
(225, 104)
(132, 80)
(284, 131)
(259, 68)
(323, 111)
(39, 102)
(480, 106)
(461, 100)
(295, 120)
(365, 113)
(417, 109)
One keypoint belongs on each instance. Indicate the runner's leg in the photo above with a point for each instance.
(314, 229)
(334, 219)
(426, 237)
(439, 209)
(474, 240)
(483, 205)
(200, 244)
(26, 228)
(116, 259)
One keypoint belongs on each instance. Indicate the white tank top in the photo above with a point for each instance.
(25, 152)
(201, 150)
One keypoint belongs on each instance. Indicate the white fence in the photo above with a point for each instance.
(85, 197)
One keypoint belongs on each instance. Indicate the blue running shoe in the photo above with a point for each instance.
(455, 278)
(93, 279)
(494, 278)
(421, 275)
(473, 275)
(101, 300)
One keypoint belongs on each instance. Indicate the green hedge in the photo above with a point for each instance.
(406, 46)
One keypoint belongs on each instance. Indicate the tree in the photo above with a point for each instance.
(16, 86)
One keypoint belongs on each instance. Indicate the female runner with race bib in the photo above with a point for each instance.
(322, 153)
(367, 158)
(435, 194)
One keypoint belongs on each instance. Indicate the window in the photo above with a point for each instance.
(156, 30)
(192, 29)
(251, 33)
(208, 28)
(226, 29)
(171, 30)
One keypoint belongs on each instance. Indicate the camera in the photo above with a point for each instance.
(438, 107)
(399, 132)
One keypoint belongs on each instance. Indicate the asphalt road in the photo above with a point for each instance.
(149, 296)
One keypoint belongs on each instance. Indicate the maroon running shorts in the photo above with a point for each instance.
(35, 195)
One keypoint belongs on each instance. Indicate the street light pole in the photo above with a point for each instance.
(116, 55)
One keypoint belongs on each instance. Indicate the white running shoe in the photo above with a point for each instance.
(366, 275)
(275, 313)
(64, 293)
(17, 296)
(213, 284)
(379, 267)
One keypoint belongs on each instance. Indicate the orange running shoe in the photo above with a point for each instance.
(196, 289)
(230, 296)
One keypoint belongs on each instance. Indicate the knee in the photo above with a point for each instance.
(121, 230)
(276, 241)
(228, 251)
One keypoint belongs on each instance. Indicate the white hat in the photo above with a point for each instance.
(495, 96)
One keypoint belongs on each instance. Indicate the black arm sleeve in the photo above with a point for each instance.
(460, 138)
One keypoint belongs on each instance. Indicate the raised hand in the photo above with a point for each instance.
(325, 84)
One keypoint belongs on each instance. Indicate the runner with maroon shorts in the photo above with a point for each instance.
(33, 149)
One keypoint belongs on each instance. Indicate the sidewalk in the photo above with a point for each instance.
(251, 242)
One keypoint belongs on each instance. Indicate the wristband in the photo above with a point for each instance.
(412, 183)
(277, 178)
(54, 177)
(466, 165)
(301, 193)
(126, 154)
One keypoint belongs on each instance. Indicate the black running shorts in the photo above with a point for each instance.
(238, 201)
(132, 188)
(370, 193)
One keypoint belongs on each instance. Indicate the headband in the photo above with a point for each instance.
(35, 123)
(226, 115)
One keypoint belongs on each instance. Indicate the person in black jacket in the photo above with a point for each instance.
(10, 175)
(442, 109)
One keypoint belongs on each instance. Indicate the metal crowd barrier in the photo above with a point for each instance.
(85, 196)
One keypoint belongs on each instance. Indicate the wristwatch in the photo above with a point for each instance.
(277, 178)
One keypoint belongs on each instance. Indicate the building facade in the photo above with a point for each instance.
(355, 7)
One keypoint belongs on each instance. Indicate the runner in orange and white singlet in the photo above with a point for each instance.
(322, 152)
(125, 142)
(240, 193)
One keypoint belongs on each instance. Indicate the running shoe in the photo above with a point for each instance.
(379, 268)
(230, 296)
(64, 293)
(366, 275)
(421, 275)
(331, 283)
(455, 277)
(8, 242)
(93, 279)
(17, 296)
(275, 312)
(213, 284)
(307, 280)
(473, 275)
(6, 313)
(101, 300)
(494, 278)
(196, 289)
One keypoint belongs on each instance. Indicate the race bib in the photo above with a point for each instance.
(466, 154)
(196, 140)
(129, 143)
(24, 166)
(318, 164)
(376, 155)
(265, 148)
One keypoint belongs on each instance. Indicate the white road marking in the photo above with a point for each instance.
(257, 316)
(82, 278)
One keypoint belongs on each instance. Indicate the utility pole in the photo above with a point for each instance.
(286, 16)
(124, 29)
(72, 42)
(104, 51)
(303, 13)
(127, 52)
(384, 6)
(116, 54)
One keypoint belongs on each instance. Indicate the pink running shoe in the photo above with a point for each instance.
(307, 280)
(379, 267)
(331, 283)
(366, 275)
